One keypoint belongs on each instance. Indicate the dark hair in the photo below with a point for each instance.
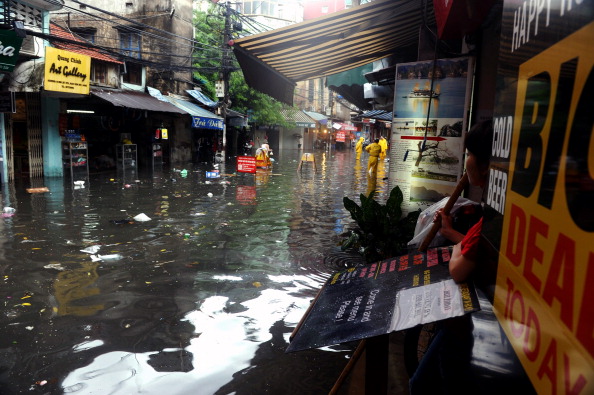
(376, 141)
(479, 141)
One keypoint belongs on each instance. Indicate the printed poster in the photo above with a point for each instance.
(427, 143)
(387, 296)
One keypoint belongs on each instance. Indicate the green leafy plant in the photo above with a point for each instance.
(382, 230)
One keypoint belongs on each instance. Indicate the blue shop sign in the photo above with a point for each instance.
(207, 123)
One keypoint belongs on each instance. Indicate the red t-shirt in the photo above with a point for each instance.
(470, 243)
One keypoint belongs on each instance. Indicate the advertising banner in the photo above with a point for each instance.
(246, 164)
(430, 106)
(10, 46)
(390, 295)
(207, 123)
(540, 203)
(66, 71)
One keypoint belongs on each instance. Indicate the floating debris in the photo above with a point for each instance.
(142, 217)
(109, 257)
(55, 266)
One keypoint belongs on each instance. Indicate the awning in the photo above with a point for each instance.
(202, 98)
(201, 118)
(132, 99)
(300, 118)
(273, 61)
(377, 114)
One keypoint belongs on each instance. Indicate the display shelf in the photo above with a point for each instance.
(75, 157)
(126, 156)
(157, 155)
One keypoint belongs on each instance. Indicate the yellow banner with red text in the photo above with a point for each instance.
(545, 281)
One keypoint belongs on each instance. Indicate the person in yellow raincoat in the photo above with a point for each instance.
(374, 150)
(359, 147)
(384, 144)
(262, 157)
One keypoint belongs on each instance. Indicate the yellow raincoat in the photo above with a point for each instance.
(359, 145)
(384, 144)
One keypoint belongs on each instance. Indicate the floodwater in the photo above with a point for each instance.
(199, 299)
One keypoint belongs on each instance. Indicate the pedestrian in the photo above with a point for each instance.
(445, 367)
(374, 150)
(359, 147)
(384, 144)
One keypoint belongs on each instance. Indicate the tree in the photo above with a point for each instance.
(210, 26)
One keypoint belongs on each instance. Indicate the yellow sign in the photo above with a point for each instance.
(545, 279)
(164, 134)
(67, 71)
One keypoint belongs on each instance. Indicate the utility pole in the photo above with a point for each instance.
(225, 71)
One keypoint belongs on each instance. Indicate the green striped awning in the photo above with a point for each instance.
(273, 61)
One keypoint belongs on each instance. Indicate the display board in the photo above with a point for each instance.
(431, 100)
(387, 296)
(539, 210)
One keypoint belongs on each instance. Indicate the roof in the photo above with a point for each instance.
(201, 118)
(321, 118)
(83, 48)
(133, 99)
(377, 114)
(202, 98)
(299, 117)
(273, 61)
(192, 109)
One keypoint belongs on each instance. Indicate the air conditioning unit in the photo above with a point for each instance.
(28, 46)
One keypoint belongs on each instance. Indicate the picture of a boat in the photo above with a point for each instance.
(424, 93)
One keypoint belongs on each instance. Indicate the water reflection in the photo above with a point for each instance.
(203, 295)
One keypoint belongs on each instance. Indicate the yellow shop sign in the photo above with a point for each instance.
(66, 71)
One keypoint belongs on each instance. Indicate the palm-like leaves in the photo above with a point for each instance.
(382, 232)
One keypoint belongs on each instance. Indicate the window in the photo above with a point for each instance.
(130, 44)
(133, 74)
(86, 33)
(98, 73)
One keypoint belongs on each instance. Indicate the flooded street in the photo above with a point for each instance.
(199, 299)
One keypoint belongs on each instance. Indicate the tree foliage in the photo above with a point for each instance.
(262, 109)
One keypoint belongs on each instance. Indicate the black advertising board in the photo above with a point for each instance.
(387, 296)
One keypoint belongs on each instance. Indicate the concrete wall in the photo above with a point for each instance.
(173, 16)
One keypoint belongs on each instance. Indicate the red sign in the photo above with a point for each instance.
(246, 164)
(340, 137)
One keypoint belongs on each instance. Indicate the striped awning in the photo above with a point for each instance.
(272, 62)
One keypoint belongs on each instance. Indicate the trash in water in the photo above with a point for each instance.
(142, 217)
(209, 194)
(91, 249)
(109, 257)
(122, 221)
(38, 190)
(9, 210)
(55, 266)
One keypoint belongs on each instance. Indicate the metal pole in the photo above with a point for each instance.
(225, 67)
